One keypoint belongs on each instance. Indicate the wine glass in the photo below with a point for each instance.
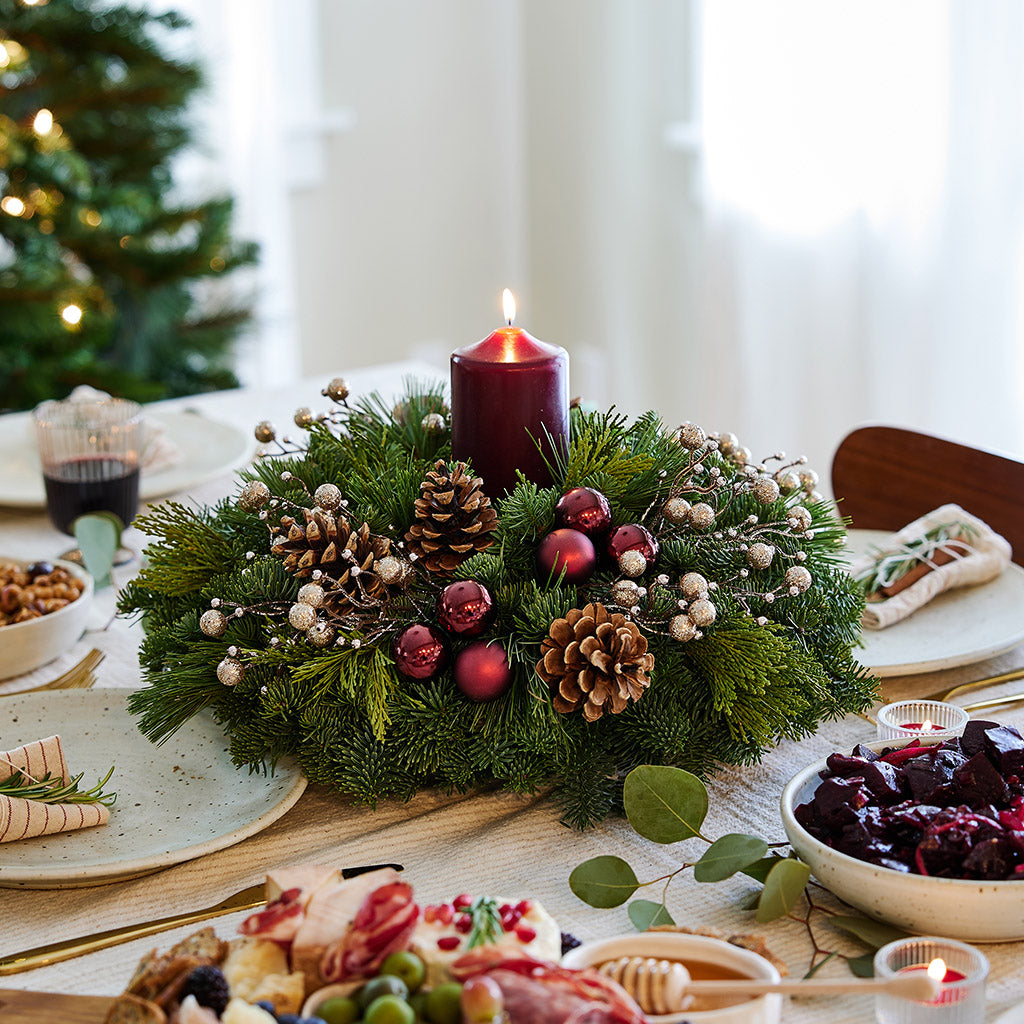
(89, 452)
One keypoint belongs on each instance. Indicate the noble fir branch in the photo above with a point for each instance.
(54, 790)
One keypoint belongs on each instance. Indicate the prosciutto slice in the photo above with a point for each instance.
(538, 992)
(381, 926)
(289, 891)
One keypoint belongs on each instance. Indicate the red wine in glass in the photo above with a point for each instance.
(92, 483)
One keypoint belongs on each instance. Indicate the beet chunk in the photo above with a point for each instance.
(837, 801)
(972, 740)
(978, 782)
(1005, 748)
(884, 780)
(930, 778)
(991, 858)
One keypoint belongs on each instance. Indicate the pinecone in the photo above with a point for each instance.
(454, 518)
(359, 586)
(316, 545)
(597, 659)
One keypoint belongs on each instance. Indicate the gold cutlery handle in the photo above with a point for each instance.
(994, 702)
(55, 952)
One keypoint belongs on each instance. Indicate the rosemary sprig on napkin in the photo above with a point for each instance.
(486, 918)
(50, 790)
(891, 564)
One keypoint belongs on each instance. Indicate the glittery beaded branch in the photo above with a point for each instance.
(367, 606)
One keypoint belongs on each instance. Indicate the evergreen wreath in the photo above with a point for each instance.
(364, 605)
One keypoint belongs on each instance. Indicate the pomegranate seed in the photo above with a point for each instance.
(505, 908)
(524, 907)
(464, 924)
(508, 922)
(429, 914)
(449, 942)
(462, 902)
(446, 913)
(524, 933)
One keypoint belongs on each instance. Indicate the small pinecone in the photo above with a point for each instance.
(597, 659)
(454, 518)
(316, 545)
(208, 984)
(365, 587)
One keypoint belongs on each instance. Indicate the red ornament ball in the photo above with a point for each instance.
(420, 651)
(465, 608)
(568, 549)
(633, 537)
(584, 509)
(482, 671)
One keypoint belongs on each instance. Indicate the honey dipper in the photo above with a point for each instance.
(664, 986)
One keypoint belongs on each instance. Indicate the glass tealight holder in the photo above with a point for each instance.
(921, 719)
(961, 974)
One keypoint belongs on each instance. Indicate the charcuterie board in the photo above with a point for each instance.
(20, 1006)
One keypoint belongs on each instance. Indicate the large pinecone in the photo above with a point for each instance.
(454, 518)
(315, 544)
(358, 585)
(597, 659)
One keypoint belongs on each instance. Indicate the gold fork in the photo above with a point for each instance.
(78, 677)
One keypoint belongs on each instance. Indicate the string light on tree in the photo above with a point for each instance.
(12, 205)
(42, 123)
(71, 314)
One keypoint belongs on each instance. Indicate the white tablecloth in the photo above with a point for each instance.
(474, 843)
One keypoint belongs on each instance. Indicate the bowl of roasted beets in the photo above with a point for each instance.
(927, 836)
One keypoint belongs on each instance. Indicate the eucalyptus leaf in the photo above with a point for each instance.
(871, 933)
(760, 868)
(98, 536)
(782, 889)
(606, 881)
(727, 855)
(664, 804)
(862, 966)
(646, 914)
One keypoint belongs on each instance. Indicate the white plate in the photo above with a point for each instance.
(1014, 1016)
(209, 448)
(959, 627)
(175, 802)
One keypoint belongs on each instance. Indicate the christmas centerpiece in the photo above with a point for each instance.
(369, 602)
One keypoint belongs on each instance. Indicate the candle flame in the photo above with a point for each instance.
(508, 304)
(926, 726)
(937, 969)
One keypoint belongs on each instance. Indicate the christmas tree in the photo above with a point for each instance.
(101, 267)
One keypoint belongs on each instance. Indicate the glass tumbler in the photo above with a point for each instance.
(90, 457)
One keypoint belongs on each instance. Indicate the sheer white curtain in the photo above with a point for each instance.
(863, 216)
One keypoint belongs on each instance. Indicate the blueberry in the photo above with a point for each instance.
(266, 1004)
(289, 1018)
(40, 569)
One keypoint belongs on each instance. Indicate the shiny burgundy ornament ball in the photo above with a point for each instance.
(465, 608)
(633, 537)
(482, 671)
(568, 549)
(420, 651)
(584, 509)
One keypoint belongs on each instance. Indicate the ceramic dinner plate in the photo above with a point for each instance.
(959, 627)
(175, 802)
(1014, 1016)
(208, 449)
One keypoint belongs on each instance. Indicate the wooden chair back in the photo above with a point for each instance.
(885, 477)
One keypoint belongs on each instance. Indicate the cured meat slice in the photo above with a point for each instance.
(538, 992)
(382, 925)
(328, 917)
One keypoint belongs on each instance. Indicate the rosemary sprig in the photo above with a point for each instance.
(890, 564)
(483, 912)
(50, 790)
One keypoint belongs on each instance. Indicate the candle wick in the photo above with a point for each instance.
(508, 321)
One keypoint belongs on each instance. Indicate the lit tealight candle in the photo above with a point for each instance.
(510, 405)
(912, 719)
(960, 970)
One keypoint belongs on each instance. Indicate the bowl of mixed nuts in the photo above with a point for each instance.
(43, 610)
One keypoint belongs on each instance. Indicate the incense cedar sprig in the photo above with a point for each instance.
(54, 790)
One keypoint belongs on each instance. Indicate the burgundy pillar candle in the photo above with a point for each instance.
(506, 391)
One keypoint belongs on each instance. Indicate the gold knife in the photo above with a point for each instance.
(66, 949)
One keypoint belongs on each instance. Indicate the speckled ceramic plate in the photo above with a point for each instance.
(175, 802)
(959, 627)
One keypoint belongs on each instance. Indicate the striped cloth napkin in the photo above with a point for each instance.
(23, 819)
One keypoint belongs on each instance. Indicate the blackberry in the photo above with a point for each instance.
(569, 941)
(208, 984)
